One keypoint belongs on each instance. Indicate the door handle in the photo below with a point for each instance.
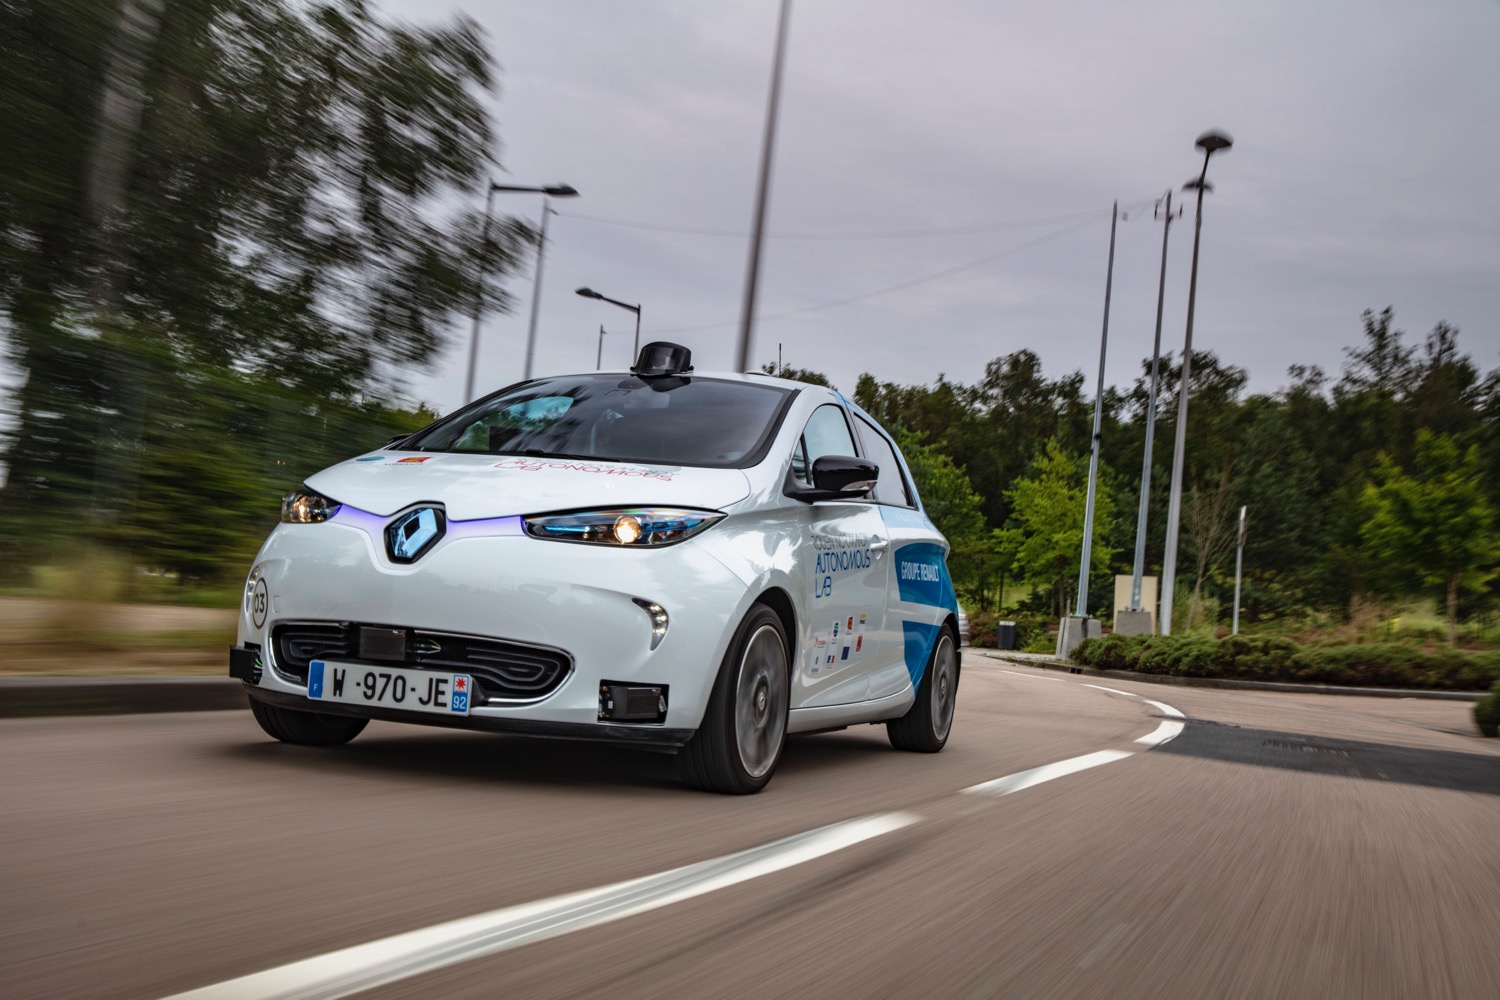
(879, 546)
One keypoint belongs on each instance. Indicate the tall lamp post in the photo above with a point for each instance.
(589, 293)
(1210, 142)
(599, 355)
(1082, 607)
(550, 190)
(1141, 622)
(762, 190)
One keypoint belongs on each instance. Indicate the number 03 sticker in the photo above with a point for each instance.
(259, 600)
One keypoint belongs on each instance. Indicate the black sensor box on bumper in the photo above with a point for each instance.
(632, 702)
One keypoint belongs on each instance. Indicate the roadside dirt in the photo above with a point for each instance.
(69, 638)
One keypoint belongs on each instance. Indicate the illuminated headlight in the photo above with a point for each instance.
(303, 506)
(632, 528)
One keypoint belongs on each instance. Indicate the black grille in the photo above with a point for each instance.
(501, 670)
(299, 643)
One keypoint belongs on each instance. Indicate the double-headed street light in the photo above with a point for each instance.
(589, 293)
(551, 191)
(1210, 142)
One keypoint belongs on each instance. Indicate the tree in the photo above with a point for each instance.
(797, 374)
(1048, 505)
(951, 502)
(255, 186)
(1432, 525)
(1208, 529)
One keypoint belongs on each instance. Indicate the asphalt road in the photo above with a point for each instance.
(1279, 846)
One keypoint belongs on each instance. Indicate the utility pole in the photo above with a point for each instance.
(1239, 568)
(1138, 568)
(1069, 637)
(762, 189)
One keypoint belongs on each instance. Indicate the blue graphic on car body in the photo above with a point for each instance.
(922, 578)
(919, 638)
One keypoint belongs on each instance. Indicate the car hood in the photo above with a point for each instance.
(480, 486)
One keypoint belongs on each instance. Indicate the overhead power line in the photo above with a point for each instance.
(913, 282)
(895, 234)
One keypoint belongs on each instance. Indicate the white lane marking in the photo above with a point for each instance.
(1027, 779)
(365, 966)
(1169, 729)
(1167, 709)
(1033, 677)
(1101, 687)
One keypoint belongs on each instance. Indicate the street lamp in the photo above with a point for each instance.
(550, 190)
(1072, 630)
(1210, 142)
(589, 293)
(1138, 621)
(599, 355)
(762, 190)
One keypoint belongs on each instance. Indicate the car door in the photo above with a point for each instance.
(920, 591)
(845, 639)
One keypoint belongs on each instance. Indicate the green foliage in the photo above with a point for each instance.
(1487, 712)
(1433, 526)
(1048, 520)
(227, 234)
(946, 494)
(1273, 658)
(797, 374)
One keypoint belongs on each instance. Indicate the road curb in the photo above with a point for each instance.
(1051, 663)
(22, 697)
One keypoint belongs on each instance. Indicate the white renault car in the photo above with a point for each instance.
(703, 563)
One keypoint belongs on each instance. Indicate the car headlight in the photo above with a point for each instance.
(303, 506)
(634, 527)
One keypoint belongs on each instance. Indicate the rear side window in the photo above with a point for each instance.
(890, 488)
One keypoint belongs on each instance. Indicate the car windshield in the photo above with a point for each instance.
(677, 420)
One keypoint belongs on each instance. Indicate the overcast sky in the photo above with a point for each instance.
(1365, 173)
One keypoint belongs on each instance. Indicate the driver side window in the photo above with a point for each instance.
(826, 433)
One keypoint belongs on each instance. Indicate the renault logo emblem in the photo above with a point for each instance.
(413, 533)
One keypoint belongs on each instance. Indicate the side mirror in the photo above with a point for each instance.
(836, 477)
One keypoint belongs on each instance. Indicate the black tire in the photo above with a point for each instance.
(308, 729)
(926, 725)
(739, 743)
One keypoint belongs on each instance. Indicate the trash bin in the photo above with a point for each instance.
(1005, 635)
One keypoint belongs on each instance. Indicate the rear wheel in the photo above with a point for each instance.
(926, 725)
(739, 743)
(309, 729)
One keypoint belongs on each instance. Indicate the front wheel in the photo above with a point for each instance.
(926, 725)
(739, 743)
(309, 729)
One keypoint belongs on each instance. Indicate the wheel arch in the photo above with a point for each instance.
(779, 601)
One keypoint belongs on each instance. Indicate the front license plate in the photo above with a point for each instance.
(390, 687)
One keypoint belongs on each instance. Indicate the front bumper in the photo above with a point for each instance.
(579, 599)
(644, 736)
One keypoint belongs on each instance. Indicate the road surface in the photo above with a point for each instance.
(1074, 840)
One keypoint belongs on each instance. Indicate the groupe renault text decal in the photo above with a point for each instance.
(537, 465)
(837, 554)
(922, 575)
(922, 578)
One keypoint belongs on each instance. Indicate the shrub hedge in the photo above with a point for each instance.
(1273, 658)
(1487, 712)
